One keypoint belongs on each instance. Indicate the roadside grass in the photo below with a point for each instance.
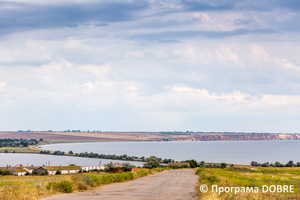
(36, 187)
(249, 177)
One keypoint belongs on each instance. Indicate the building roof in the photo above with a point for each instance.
(55, 168)
(118, 164)
(21, 170)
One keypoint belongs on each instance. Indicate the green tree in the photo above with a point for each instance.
(34, 172)
(223, 165)
(127, 166)
(151, 162)
(110, 165)
(193, 163)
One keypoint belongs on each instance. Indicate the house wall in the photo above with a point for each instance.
(19, 173)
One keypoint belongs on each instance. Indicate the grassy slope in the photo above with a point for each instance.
(19, 149)
(250, 177)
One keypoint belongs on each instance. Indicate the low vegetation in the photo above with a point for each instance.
(251, 178)
(35, 187)
(276, 164)
(7, 142)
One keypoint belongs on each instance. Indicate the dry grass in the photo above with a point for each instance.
(36, 187)
(249, 177)
(19, 149)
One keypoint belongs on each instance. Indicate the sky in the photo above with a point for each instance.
(135, 65)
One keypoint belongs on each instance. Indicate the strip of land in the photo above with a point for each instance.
(170, 184)
(145, 136)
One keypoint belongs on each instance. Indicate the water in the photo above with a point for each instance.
(42, 159)
(237, 152)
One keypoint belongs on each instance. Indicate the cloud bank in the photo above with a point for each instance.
(150, 65)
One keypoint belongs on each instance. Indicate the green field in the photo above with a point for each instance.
(255, 177)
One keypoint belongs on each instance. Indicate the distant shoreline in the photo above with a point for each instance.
(82, 137)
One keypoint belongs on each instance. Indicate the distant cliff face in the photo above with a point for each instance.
(228, 136)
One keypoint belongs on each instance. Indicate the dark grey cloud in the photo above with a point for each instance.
(172, 36)
(19, 17)
(217, 5)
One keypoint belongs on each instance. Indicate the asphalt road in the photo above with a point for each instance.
(170, 184)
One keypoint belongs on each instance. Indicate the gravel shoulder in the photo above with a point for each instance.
(169, 184)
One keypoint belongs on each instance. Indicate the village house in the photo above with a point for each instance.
(63, 169)
(87, 168)
(19, 172)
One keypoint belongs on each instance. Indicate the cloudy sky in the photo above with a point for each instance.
(151, 65)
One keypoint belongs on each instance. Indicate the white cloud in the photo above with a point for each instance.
(96, 69)
(2, 84)
(258, 52)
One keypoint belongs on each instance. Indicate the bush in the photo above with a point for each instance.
(91, 180)
(6, 172)
(142, 173)
(223, 165)
(127, 166)
(34, 172)
(43, 173)
(106, 178)
(81, 186)
(174, 167)
(193, 163)
(63, 186)
(27, 173)
(58, 172)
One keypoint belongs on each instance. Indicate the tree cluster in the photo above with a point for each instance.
(58, 152)
(276, 164)
(7, 142)
(45, 152)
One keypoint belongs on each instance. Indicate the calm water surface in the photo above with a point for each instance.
(237, 152)
(43, 159)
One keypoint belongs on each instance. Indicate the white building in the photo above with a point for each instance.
(87, 168)
(19, 172)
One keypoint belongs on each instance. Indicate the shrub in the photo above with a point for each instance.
(63, 186)
(81, 186)
(6, 172)
(106, 178)
(34, 172)
(174, 167)
(193, 163)
(223, 165)
(127, 166)
(91, 180)
(27, 173)
(142, 173)
(58, 172)
(43, 173)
